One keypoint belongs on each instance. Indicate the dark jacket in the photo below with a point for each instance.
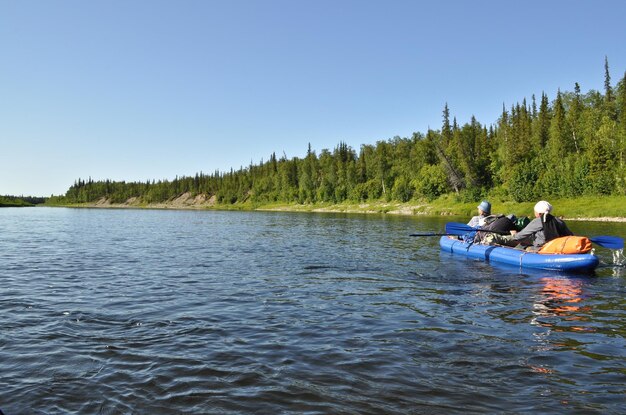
(543, 229)
(499, 224)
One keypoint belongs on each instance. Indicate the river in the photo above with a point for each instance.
(158, 311)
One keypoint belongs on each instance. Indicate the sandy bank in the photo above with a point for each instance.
(184, 201)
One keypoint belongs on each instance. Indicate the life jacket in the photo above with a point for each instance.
(499, 224)
(554, 228)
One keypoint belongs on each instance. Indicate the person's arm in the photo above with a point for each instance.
(530, 229)
(474, 221)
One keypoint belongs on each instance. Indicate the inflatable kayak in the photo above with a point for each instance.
(519, 258)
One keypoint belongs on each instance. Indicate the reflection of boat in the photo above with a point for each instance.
(561, 297)
(520, 258)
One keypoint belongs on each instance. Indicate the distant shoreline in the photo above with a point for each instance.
(602, 219)
(201, 202)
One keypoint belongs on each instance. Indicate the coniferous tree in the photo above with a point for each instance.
(446, 128)
(559, 141)
(504, 159)
(609, 99)
(446, 152)
(308, 177)
(574, 117)
(608, 91)
(328, 177)
(541, 132)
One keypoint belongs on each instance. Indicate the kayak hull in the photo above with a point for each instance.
(519, 258)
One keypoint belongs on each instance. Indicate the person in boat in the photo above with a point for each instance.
(540, 230)
(495, 225)
(484, 210)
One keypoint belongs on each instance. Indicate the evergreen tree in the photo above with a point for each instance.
(574, 117)
(308, 178)
(541, 131)
(446, 128)
(609, 99)
(559, 142)
(608, 91)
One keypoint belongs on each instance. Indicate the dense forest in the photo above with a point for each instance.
(20, 201)
(569, 146)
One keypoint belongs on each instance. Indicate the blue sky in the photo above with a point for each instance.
(138, 90)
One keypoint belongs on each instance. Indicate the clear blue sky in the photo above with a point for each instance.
(145, 89)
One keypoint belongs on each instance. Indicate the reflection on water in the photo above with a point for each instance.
(559, 299)
(560, 296)
(569, 317)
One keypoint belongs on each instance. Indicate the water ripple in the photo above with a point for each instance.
(161, 312)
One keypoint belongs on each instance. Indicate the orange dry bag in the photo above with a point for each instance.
(567, 245)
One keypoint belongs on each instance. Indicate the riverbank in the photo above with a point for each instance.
(602, 209)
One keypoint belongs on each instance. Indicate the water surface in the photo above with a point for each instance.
(161, 312)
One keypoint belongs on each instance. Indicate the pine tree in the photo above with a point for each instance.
(307, 179)
(559, 142)
(446, 128)
(574, 116)
(609, 99)
(541, 132)
(608, 91)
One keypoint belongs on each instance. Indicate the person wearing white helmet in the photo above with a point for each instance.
(540, 230)
(484, 210)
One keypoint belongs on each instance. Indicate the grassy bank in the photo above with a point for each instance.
(591, 208)
(580, 208)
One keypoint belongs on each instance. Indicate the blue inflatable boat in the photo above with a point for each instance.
(520, 258)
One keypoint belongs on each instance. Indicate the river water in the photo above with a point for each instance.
(108, 311)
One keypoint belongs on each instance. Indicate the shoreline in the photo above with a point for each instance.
(200, 202)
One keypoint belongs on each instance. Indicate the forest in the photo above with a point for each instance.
(571, 145)
(20, 201)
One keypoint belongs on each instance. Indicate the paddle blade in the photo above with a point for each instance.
(610, 242)
(455, 228)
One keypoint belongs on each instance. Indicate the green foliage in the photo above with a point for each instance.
(20, 201)
(402, 189)
(471, 195)
(523, 180)
(574, 146)
(432, 182)
(370, 190)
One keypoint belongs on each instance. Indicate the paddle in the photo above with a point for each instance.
(610, 242)
(429, 234)
(455, 228)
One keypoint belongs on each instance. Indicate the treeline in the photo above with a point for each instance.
(572, 145)
(19, 201)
